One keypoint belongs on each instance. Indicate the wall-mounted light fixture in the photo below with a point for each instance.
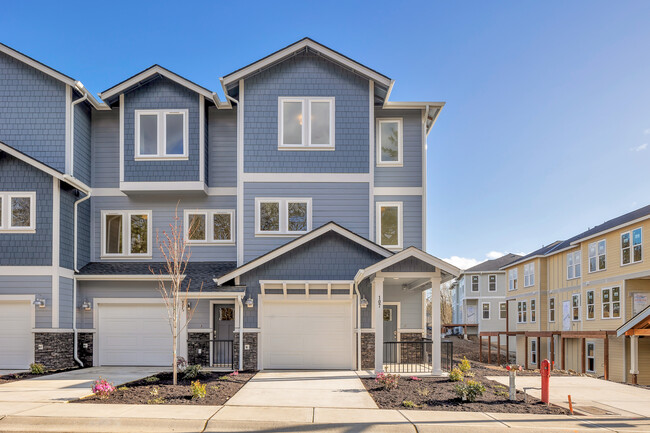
(40, 302)
(250, 302)
(86, 305)
(363, 303)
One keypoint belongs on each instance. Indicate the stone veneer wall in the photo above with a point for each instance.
(412, 353)
(250, 355)
(85, 355)
(196, 341)
(367, 350)
(56, 351)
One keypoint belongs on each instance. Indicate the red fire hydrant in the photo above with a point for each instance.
(545, 371)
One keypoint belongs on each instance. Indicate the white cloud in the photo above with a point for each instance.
(494, 255)
(462, 262)
(639, 148)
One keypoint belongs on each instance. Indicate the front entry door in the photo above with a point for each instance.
(390, 333)
(222, 335)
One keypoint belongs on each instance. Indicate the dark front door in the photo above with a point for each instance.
(222, 335)
(390, 333)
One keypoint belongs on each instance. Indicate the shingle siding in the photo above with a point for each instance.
(306, 75)
(32, 112)
(27, 249)
(105, 142)
(412, 210)
(66, 233)
(83, 233)
(222, 140)
(82, 143)
(40, 286)
(410, 174)
(159, 94)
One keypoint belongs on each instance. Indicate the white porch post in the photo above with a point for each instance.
(634, 357)
(436, 339)
(378, 286)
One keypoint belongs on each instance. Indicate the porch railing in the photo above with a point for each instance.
(223, 355)
(415, 356)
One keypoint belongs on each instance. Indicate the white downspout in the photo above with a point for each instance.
(241, 333)
(75, 355)
(356, 289)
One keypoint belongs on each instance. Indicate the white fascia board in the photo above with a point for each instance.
(482, 272)
(397, 105)
(400, 190)
(163, 186)
(300, 45)
(298, 242)
(404, 254)
(633, 321)
(145, 277)
(618, 227)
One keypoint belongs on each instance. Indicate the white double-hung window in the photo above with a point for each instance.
(529, 274)
(210, 227)
(161, 134)
(631, 247)
(126, 233)
(611, 303)
(17, 212)
(512, 279)
(389, 221)
(573, 267)
(492, 283)
(390, 142)
(306, 123)
(282, 216)
(597, 256)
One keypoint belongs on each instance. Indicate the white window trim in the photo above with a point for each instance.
(533, 311)
(400, 142)
(162, 135)
(523, 309)
(631, 247)
(478, 283)
(483, 304)
(5, 222)
(306, 126)
(529, 272)
(597, 257)
(573, 255)
(554, 309)
(209, 226)
(587, 304)
(496, 281)
(284, 216)
(126, 232)
(400, 223)
(593, 345)
(512, 276)
(500, 304)
(611, 303)
(579, 307)
(533, 351)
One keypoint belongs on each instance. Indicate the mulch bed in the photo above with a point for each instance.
(220, 388)
(27, 375)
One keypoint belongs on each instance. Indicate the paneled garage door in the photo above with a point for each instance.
(16, 341)
(307, 335)
(134, 334)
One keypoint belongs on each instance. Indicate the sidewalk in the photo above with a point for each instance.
(63, 417)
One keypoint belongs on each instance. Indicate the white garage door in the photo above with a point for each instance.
(16, 342)
(307, 335)
(134, 334)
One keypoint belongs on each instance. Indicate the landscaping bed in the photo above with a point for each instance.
(29, 375)
(158, 389)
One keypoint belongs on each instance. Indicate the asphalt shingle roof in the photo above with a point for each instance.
(493, 265)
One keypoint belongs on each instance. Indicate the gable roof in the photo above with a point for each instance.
(449, 269)
(326, 228)
(75, 84)
(156, 71)
(493, 265)
(635, 216)
(70, 180)
(303, 45)
(535, 254)
(639, 319)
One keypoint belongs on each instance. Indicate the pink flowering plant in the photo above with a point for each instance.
(514, 367)
(415, 379)
(387, 381)
(234, 373)
(102, 388)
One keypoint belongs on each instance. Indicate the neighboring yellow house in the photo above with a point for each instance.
(575, 294)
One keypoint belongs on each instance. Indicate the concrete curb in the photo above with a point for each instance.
(15, 423)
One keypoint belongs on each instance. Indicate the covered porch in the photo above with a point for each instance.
(637, 330)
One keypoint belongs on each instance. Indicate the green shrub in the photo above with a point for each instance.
(409, 404)
(464, 365)
(36, 368)
(469, 390)
(423, 392)
(151, 379)
(198, 390)
(122, 388)
(455, 375)
(192, 372)
(155, 398)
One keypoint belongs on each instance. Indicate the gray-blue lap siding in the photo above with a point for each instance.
(410, 174)
(306, 75)
(66, 286)
(412, 213)
(40, 286)
(82, 152)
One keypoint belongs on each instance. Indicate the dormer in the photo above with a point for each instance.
(163, 131)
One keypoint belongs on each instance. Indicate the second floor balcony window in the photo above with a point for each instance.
(306, 123)
(161, 134)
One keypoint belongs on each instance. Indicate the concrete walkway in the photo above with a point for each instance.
(589, 395)
(339, 389)
(69, 385)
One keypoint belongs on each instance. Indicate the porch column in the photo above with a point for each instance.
(634, 357)
(436, 339)
(378, 285)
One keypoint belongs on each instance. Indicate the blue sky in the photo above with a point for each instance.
(546, 130)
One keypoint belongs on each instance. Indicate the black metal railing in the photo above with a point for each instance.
(415, 356)
(223, 354)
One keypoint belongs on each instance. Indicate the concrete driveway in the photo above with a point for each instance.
(69, 385)
(588, 393)
(319, 389)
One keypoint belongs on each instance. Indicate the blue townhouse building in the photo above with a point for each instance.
(302, 196)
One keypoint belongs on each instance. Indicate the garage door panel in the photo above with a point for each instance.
(16, 338)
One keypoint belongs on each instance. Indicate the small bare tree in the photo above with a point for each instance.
(171, 284)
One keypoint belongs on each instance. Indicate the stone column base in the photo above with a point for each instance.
(250, 354)
(54, 349)
(85, 354)
(367, 350)
(198, 342)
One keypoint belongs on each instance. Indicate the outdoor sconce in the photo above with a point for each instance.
(363, 303)
(250, 302)
(86, 305)
(189, 307)
(40, 302)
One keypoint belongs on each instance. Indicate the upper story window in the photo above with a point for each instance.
(503, 310)
(486, 311)
(389, 142)
(529, 274)
(389, 224)
(631, 247)
(573, 267)
(282, 216)
(591, 307)
(206, 227)
(512, 279)
(611, 303)
(597, 256)
(575, 307)
(521, 312)
(161, 134)
(474, 283)
(533, 311)
(551, 309)
(306, 123)
(17, 212)
(126, 234)
(492, 283)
